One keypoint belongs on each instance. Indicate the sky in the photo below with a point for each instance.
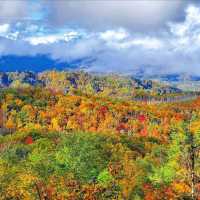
(147, 36)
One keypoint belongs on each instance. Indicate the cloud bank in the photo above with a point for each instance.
(102, 14)
(130, 37)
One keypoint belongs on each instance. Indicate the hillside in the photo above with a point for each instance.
(112, 85)
(92, 142)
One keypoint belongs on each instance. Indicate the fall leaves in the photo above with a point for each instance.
(64, 146)
(59, 112)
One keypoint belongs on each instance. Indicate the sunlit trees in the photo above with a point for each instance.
(85, 145)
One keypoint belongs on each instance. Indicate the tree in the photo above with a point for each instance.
(187, 140)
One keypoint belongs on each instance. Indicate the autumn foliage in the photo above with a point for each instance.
(80, 145)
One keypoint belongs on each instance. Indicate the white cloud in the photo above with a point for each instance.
(53, 38)
(32, 28)
(43, 39)
(191, 25)
(114, 35)
(185, 36)
(4, 28)
(122, 39)
(192, 15)
(146, 43)
(13, 35)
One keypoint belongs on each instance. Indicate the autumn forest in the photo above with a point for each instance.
(74, 136)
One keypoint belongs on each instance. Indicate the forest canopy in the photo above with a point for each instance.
(85, 145)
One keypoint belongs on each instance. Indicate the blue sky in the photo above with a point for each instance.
(119, 36)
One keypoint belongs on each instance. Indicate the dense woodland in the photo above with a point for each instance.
(124, 87)
(85, 138)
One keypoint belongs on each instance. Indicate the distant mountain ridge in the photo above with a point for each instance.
(39, 63)
(109, 84)
(178, 77)
(183, 81)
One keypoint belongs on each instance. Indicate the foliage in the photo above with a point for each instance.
(86, 143)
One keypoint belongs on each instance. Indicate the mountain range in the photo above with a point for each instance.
(40, 63)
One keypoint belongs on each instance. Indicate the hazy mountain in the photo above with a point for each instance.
(38, 63)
